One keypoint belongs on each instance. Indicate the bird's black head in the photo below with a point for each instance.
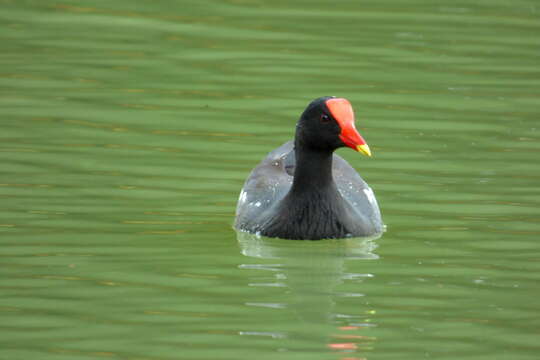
(327, 124)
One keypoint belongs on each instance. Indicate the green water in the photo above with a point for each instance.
(126, 132)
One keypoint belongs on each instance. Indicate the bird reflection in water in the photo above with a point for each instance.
(303, 277)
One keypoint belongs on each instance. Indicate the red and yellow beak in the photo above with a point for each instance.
(342, 111)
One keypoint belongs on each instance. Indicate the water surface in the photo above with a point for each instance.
(127, 130)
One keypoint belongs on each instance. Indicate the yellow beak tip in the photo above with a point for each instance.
(364, 149)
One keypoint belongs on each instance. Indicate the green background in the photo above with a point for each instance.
(127, 129)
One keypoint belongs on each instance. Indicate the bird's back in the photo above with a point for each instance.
(272, 179)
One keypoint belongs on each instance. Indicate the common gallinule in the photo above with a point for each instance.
(302, 190)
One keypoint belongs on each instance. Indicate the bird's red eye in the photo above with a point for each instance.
(325, 119)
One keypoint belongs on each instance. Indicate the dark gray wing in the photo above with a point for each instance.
(267, 184)
(356, 192)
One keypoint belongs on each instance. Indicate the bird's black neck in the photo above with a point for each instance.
(313, 171)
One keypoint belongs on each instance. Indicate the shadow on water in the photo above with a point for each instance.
(308, 275)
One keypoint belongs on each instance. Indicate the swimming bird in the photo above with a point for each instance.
(302, 190)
